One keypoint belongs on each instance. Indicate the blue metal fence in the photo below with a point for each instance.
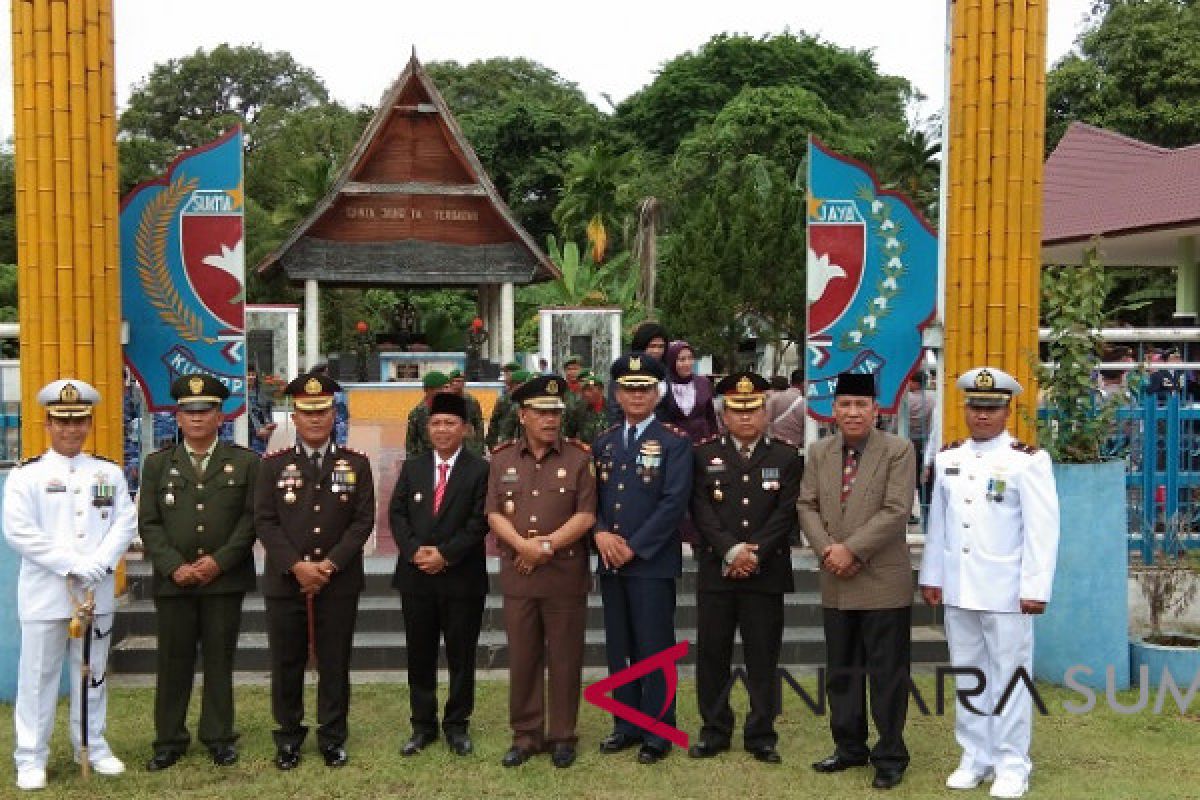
(1160, 444)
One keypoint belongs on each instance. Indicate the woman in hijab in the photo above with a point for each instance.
(688, 402)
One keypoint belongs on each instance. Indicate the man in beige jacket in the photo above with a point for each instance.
(855, 499)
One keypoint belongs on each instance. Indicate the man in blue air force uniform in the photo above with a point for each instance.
(644, 475)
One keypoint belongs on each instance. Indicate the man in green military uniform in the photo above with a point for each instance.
(416, 438)
(195, 517)
(474, 440)
(587, 416)
(506, 423)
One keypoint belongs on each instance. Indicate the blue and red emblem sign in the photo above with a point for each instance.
(183, 274)
(872, 281)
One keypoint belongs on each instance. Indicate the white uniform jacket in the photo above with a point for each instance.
(57, 511)
(992, 538)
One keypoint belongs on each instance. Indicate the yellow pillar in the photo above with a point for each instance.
(997, 113)
(66, 176)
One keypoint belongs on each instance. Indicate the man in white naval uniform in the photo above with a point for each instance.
(69, 515)
(990, 553)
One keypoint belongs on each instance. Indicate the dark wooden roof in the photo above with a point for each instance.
(412, 206)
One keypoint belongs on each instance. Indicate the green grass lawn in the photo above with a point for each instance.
(1099, 755)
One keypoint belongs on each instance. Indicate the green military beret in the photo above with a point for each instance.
(435, 379)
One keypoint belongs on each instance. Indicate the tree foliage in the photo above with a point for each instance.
(692, 88)
(1137, 71)
(522, 119)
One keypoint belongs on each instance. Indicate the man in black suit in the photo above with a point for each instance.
(314, 507)
(437, 516)
(744, 506)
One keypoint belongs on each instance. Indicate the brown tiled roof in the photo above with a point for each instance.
(1100, 183)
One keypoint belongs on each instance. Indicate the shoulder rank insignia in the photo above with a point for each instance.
(675, 430)
(582, 445)
(706, 440)
(1021, 447)
(279, 452)
(30, 460)
(952, 445)
(504, 445)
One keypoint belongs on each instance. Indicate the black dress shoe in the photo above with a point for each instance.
(649, 754)
(335, 756)
(766, 754)
(162, 759)
(563, 756)
(418, 742)
(703, 749)
(616, 742)
(460, 744)
(516, 756)
(887, 778)
(836, 763)
(225, 756)
(287, 756)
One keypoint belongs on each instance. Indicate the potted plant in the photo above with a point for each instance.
(1169, 584)
(1087, 621)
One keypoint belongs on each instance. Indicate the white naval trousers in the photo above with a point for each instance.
(44, 643)
(997, 643)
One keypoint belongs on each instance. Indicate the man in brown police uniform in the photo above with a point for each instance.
(314, 507)
(541, 503)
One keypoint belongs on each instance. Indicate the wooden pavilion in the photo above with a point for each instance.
(414, 207)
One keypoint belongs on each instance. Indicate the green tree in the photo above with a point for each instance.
(597, 194)
(8, 207)
(1137, 71)
(694, 87)
(734, 257)
(522, 120)
(188, 101)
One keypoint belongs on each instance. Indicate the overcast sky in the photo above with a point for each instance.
(613, 47)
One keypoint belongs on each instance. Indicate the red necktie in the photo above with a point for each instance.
(439, 491)
(849, 472)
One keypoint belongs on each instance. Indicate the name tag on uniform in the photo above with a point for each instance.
(714, 466)
(56, 487)
(510, 476)
(770, 479)
(954, 470)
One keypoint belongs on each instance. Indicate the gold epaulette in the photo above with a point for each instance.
(952, 445)
(1022, 447)
(31, 460)
(680, 432)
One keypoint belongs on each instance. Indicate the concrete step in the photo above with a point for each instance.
(383, 613)
(388, 651)
(380, 645)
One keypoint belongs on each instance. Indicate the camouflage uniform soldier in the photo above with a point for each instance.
(416, 439)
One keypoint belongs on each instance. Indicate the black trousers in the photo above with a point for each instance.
(869, 647)
(185, 622)
(287, 636)
(428, 619)
(759, 618)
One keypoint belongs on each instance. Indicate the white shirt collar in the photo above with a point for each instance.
(438, 460)
(640, 428)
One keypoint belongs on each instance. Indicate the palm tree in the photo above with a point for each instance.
(595, 179)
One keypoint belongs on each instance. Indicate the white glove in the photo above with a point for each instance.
(91, 572)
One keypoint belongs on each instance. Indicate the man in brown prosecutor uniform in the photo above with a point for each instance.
(314, 508)
(855, 499)
(196, 520)
(541, 502)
